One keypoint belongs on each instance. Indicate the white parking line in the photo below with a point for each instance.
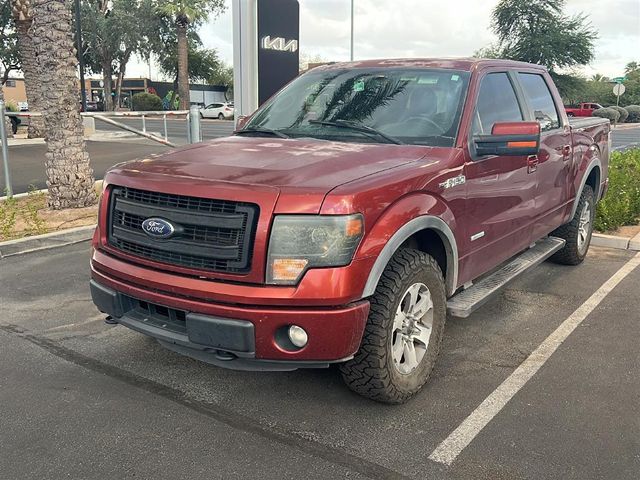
(462, 436)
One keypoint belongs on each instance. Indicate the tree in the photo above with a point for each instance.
(23, 19)
(632, 67)
(536, 31)
(112, 32)
(69, 175)
(185, 14)
(223, 76)
(596, 77)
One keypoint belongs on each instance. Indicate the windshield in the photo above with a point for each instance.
(413, 106)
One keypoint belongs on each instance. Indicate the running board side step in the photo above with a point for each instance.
(467, 301)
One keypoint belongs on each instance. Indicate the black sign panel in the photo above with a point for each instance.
(278, 39)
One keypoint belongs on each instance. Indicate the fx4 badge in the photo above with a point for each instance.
(454, 181)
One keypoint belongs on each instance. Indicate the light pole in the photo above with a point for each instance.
(352, 12)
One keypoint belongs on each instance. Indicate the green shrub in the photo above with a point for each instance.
(634, 113)
(10, 106)
(610, 113)
(8, 217)
(146, 102)
(621, 205)
(622, 111)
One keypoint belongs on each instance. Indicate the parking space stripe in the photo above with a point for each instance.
(462, 436)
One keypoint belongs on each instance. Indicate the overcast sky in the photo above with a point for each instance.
(429, 28)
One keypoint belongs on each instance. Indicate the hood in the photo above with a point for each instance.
(296, 163)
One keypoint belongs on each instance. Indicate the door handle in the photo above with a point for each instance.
(532, 163)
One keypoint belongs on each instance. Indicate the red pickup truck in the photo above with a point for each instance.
(348, 216)
(584, 110)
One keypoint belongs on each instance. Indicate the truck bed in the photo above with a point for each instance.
(585, 122)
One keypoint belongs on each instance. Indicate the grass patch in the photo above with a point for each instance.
(28, 216)
(621, 205)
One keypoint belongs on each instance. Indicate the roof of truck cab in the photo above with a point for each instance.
(463, 64)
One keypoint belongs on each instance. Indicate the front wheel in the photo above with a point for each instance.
(404, 330)
(577, 233)
(220, 116)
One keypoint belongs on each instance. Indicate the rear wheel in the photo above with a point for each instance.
(404, 330)
(577, 233)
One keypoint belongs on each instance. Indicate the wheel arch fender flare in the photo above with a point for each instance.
(423, 222)
(593, 163)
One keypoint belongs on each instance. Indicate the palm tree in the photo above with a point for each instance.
(69, 175)
(23, 19)
(596, 77)
(185, 14)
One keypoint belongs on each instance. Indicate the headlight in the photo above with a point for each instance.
(300, 242)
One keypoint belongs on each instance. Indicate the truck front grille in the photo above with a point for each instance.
(213, 235)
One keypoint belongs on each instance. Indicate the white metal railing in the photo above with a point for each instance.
(194, 130)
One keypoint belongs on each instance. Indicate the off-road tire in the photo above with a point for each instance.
(570, 254)
(371, 373)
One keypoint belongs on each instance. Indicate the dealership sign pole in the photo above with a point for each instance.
(266, 36)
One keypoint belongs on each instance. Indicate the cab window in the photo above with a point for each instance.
(497, 102)
(540, 100)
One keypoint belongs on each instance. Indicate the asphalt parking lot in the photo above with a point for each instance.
(81, 399)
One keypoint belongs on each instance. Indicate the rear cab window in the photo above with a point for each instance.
(540, 100)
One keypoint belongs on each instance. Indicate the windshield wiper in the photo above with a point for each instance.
(269, 131)
(358, 127)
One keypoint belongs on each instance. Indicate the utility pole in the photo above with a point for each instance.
(352, 15)
(83, 90)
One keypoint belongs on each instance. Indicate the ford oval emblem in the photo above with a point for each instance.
(158, 228)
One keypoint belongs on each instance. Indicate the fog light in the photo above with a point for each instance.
(298, 336)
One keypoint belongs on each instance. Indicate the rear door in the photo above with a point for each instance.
(555, 157)
(500, 189)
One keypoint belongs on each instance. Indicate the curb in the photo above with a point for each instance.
(46, 241)
(611, 241)
(98, 184)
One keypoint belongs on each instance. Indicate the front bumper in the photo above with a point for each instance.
(232, 336)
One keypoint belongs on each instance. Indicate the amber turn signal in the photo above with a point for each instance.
(354, 227)
(287, 269)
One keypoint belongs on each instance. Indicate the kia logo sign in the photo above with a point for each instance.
(158, 228)
(279, 44)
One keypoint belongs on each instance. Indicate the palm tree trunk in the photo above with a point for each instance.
(69, 175)
(23, 18)
(183, 63)
(31, 80)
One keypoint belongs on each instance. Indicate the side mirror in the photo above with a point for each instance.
(242, 120)
(509, 138)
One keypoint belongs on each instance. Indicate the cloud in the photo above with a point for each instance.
(429, 28)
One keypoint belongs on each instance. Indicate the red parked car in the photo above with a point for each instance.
(584, 110)
(348, 215)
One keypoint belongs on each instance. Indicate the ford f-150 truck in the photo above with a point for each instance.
(348, 216)
(583, 110)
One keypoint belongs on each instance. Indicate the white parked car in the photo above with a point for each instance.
(220, 111)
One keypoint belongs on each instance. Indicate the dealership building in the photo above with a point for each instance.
(14, 91)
